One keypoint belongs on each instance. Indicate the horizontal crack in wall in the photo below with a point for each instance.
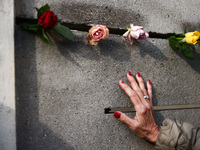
(85, 28)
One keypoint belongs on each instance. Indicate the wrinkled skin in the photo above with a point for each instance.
(143, 124)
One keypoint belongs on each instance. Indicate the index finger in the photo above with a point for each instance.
(132, 95)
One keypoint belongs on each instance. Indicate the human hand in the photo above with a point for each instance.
(143, 123)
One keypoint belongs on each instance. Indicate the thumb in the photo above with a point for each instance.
(124, 118)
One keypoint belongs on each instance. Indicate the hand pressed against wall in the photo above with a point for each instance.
(143, 123)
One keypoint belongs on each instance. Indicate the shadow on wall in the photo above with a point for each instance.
(79, 47)
(7, 129)
(146, 47)
(193, 63)
(108, 47)
(31, 133)
(157, 114)
(170, 11)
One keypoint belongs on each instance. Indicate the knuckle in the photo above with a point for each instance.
(143, 110)
(137, 126)
(148, 106)
(137, 107)
(140, 81)
(132, 94)
(132, 127)
(137, 89)
(125, 87)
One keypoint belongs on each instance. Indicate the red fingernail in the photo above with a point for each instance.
(129, 73)
(149, 82)
(117, 115)
(122, 82)
(138, 74)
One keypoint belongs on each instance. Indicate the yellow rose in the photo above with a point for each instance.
(192, 37)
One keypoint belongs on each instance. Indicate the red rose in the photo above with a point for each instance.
(48, 20)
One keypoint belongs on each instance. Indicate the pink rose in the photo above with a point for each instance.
(135, 32)
(97, 33)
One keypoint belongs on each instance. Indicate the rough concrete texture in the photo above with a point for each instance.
(7, 77)
(155, 15)
(62, 89)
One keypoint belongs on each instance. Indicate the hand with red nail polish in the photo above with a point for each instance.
(138, 74)
(117, 114)
(143, 124)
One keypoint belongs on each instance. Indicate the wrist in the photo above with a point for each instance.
(154, 135)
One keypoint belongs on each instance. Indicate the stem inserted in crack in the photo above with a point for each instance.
(85, 28)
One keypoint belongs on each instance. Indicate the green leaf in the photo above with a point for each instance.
(173, 46)
(41, 10)
(198, 42)
(42, 35)
(180, 35)
(185, 31)
(64, 31)
(192, 46)
(174, 42)
(186, 51)
(30, 26)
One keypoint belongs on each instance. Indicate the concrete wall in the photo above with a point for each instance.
(7, 77)
(62, 89)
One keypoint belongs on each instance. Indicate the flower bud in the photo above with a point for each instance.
(192, 37)
(97, 33)
(48, 20)
(135, 32)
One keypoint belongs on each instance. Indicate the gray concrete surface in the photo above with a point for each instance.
(7, 77)
(62, 89)
(155, 15)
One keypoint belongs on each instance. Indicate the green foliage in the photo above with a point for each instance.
(178, 43)
(30, 26)
(174, 42)
(43, 36)
(38, 30)
(186, 51)
(41, 32)
(64, 31)
(41, 10)
(185, 31)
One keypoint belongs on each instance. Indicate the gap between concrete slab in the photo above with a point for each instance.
(85, 28)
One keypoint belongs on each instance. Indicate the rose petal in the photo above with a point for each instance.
(135, 28)
(197, 33)
(189, 40)
(131, 40)
(147, 34)
(105, 34)
(131, 25)
(195, 38)
(189, 34)
(135, 34)
(125, 35)
(97, 33)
